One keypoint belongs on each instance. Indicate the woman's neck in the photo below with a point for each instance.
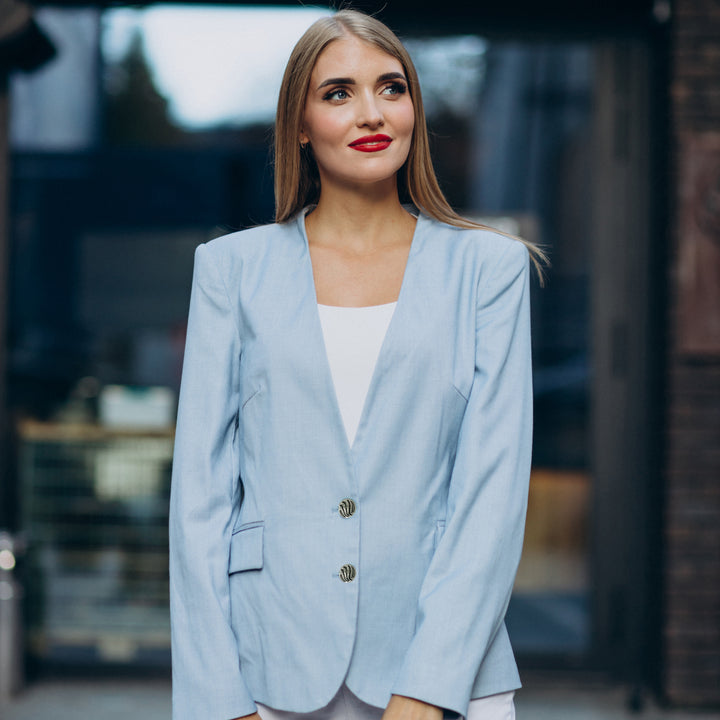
(359, 223)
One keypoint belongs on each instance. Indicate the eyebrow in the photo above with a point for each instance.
(351, 81)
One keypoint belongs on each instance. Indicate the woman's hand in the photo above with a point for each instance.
(405, 708)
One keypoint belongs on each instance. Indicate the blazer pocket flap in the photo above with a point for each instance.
(246, 549)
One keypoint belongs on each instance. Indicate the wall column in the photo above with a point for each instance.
(692, 517)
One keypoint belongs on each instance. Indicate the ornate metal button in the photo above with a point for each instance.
(347, 507)
(347, 572)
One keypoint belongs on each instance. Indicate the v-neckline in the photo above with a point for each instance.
(385, 346)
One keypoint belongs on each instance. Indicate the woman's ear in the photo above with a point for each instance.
(304, 139)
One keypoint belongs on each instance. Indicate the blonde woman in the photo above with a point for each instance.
(354, 428)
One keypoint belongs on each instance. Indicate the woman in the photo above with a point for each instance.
(353, 440)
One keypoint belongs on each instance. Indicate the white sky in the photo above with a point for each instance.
(223, 65)
(214, 64)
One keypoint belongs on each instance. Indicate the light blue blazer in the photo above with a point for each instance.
(263, 550)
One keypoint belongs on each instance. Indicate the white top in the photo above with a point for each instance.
(353, 338)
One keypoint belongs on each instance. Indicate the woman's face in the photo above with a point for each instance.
(358, 114)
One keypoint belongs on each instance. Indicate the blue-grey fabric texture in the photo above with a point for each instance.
(438, 472)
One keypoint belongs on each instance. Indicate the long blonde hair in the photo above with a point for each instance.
(297, 182)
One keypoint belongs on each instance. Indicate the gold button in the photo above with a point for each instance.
(347, 507)
(347, 572)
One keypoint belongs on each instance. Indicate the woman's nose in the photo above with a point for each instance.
(370, 114)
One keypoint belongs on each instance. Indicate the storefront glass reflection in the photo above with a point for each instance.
(107, 207)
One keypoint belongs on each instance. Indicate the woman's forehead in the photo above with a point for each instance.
(349, 54)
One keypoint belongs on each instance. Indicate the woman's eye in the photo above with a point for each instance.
(396, 88)
(339, 94)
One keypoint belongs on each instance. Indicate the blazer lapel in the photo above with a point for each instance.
(402, 334)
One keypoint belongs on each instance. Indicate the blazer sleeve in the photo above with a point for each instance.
(467, 587)
(207, 681)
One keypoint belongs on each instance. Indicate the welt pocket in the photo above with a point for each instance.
(246, 547)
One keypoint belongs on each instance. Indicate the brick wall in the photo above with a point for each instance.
(692, 522)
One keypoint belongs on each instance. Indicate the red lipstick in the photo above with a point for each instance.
(371, 143)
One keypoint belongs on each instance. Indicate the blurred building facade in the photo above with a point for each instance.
(593, 128)
(692, 429)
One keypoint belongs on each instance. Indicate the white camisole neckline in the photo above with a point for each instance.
(353, 338)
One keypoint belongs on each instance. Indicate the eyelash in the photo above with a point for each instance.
(332, 93)
(398, 88)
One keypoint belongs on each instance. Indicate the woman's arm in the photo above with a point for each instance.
(207, 682)
(406, 708)
(468, 584)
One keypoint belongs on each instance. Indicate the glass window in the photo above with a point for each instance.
(153, 149)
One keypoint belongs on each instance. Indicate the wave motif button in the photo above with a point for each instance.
(347, 572)
(347, 507)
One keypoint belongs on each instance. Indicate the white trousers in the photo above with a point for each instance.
(347, 706)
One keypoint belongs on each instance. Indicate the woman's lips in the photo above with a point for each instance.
(371, 143)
